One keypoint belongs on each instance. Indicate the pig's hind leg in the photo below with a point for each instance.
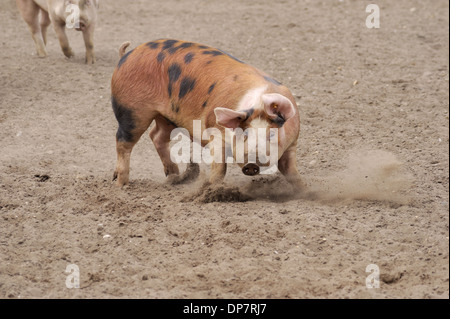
(30, 13)
(160, 135)
(130, 130)
(60, 30)
(45, 22)
(88, 36)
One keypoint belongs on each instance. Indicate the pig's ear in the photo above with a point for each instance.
(229, 118)
(278, 106)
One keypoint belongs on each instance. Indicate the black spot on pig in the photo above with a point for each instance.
(125, 119)
(124, 58)
(174, 74)
(172, 50)
(203, 47)
(235, 78)
(153, 45)
(205, 103)
(186, 86)
(249, 113)
(188, 58)
(186, 45)
(272, 80)
(211, 88)
(168, 44)
(213, 52)
(175, 107)
(161, 56)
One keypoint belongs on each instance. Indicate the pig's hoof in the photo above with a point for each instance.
(191, 174)
(300, 185)
(91, 60)
(173, 179)
(68, 53)
(122, 185)
(119, 181)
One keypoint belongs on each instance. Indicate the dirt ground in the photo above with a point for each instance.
(374, 107)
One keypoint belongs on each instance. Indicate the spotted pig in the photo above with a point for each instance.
(56, 12)
(174, 82)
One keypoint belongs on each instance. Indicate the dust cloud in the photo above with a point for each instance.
(373, 175)
(368, 175)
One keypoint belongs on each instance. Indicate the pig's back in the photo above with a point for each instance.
(183, 79)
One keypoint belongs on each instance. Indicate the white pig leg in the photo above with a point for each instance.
(218, 172)
(218, 168)
(60, 30)
(30, 13)
(88, 36)
(288, 167)
(45, 22)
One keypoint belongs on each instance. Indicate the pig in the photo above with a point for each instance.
(56, 12)
(173, 82)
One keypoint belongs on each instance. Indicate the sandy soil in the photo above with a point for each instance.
(374, 146)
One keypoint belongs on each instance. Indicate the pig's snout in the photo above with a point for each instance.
(250, 169)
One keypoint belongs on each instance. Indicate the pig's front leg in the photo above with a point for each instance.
(288, 167)
(218, 165)
(218, 172)
(88, 36)
(30, 13)
(60, 30)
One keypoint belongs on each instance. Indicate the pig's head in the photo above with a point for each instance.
(87, 10)
(260, 127)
